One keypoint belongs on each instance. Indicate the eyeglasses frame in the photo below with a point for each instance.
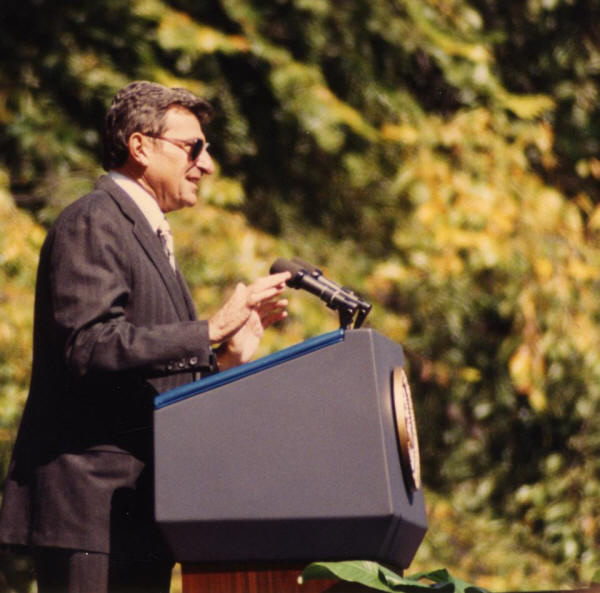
(196, 146)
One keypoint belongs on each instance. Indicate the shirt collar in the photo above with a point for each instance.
(143, 200)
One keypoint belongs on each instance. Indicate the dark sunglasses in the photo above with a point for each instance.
(195, 146)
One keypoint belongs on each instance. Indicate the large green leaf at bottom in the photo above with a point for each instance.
(378, 577)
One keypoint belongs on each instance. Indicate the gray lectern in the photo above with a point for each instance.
(307, 454)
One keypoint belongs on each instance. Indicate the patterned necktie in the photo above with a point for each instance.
(166, 240)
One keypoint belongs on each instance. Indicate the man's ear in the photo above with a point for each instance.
(138, 145)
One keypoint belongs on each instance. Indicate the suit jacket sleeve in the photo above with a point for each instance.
(106, 314)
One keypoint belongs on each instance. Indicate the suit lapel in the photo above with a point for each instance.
(150, 243)
(189, 301)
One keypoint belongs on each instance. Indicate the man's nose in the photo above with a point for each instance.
(205, 163)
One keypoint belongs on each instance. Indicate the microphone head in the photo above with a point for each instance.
(307, 267)
(285, 265)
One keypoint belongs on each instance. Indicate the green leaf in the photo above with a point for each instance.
(354, 571)
(443, 578)
(399, 583)
(381, 578)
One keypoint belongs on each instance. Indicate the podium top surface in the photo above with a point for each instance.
(211, 382)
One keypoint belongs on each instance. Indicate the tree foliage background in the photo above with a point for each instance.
(440, 156)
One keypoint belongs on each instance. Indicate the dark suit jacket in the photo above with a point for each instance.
(114, 326)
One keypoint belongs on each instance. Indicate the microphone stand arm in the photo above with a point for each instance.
(346, 315)
(343, 300)
(363, 311)
(347, 303)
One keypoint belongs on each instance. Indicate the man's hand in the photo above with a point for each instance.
(250, 308)
(243, 344)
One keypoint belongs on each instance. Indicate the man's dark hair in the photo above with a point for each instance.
(141, 107)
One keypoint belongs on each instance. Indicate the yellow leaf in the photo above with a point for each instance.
(519, 366)
(470, 374)
(527, 106)
(177, 30)
(543, 268)
(400, 133)
(594, 220)
(538, 400)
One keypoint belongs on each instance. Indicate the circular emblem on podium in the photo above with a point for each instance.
(406, 429)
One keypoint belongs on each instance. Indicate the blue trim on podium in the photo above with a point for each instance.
(217, 380)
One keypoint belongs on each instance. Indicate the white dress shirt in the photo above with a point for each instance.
(144, 201)
(150, 209)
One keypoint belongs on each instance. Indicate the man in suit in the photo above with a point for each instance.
(114, 326)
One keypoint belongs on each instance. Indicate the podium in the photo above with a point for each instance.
(307, 454)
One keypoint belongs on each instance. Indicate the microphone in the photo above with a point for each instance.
(310, 278)
(316, 273)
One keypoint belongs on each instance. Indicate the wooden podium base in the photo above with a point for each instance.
(253, 578)
(280, 578)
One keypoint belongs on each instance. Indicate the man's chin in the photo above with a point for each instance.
(191, 200)
(188, 200)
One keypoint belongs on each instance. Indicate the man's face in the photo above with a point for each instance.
(171, 173)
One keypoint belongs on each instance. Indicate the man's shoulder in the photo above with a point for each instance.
(101, 212)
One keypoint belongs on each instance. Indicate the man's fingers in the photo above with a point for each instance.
(269, 282)
(256, 299)
(272, 318)
(266, 288)
(272, 305)
(272, 311)
(245, 299)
